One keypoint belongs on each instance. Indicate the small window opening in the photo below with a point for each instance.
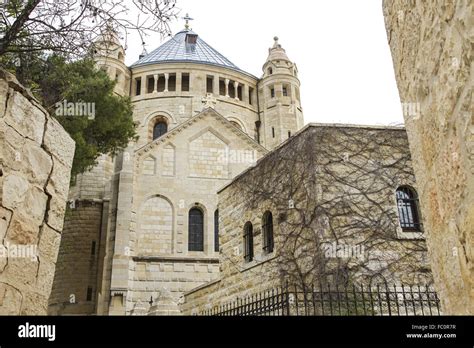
(210, 84)
(138, 86)
(93, 248)
(185, 85)
(172, 83)
(89, 294)
(150, 84)
(222, 87)
(161, 83)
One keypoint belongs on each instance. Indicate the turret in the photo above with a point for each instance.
(279, 98)
(109, 54)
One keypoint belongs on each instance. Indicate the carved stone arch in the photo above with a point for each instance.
(198, 205)
(149, 165)
(155, 233)
(164, 113)
(270, 69)
(168, 160)
(158, 116)
(205, 223)
(242, 127)
(154, 120)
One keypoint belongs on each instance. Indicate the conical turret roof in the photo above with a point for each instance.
(277, 52)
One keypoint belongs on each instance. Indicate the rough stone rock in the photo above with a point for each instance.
(15, 189)
(431, 44)
(25, 119)
(22, 231)
(10, 300)
(58, 143)
(30, 228)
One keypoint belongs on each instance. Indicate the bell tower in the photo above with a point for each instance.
(280, 100)
(109, 55)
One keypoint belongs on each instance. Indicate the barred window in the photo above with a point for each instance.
(248, 242)
(196, 230)
(216, 231)
(408, 213)
(267, 227)
(159, 129)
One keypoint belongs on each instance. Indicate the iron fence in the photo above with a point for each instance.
(380, 300)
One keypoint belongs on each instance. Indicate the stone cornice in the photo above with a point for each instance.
(207, 112)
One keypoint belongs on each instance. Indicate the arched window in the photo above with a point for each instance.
(408, 213)
(216, 231)
(196, 230)
(270, 71)
(248, 242)
(159, 129)
(267, 227)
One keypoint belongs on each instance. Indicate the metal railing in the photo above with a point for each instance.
(380, 300)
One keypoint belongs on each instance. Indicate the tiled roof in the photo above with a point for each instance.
(177, 50)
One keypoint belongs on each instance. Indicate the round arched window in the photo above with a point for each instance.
(408, 213)
(160, 129)
(196, 230)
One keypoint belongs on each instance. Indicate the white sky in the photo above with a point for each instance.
(340, 47)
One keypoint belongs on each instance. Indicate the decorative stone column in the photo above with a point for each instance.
(155, 87)
(278, 90)
(236, 88)
(227, 88)
(143, 84)
(215, 85)
(167, 77)
(246, 94)
(179, 82)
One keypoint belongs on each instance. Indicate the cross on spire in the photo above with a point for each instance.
(187, 19)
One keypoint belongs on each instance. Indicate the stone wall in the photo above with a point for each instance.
(431, 44)
(35, 163)
(77, 274)
(328, 184)
(159, 185)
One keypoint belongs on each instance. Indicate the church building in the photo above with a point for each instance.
(143, 226)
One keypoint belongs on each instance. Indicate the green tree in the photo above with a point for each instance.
(56, 81)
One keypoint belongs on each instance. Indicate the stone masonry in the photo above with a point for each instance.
(134, 209)
(431, 44)
(341, 181)
(35, 162)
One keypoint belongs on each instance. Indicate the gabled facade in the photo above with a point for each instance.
(334, 205)
(145, 223)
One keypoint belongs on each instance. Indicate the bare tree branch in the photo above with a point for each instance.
(70, 26)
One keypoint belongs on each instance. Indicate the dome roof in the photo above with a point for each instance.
(186, 46)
